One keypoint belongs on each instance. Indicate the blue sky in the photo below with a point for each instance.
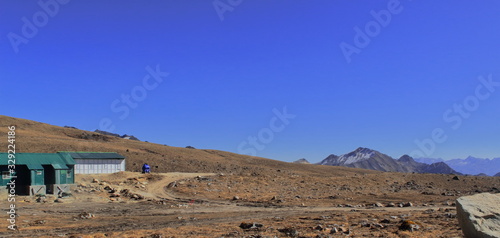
(400, 77)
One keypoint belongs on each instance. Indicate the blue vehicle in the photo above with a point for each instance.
(146, 169)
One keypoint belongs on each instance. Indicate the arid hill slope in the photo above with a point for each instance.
(32, 136)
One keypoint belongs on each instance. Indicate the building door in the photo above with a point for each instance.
(23, 180)
(49, 177)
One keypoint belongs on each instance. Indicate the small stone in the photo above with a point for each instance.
(377, 225)
(172, 184)
(248, 226)
(319, 228)
(115, 195)
(408, 204)
(86, 215)
(407, 225)
(289, 231)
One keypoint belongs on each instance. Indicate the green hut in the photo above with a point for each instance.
(38, 173)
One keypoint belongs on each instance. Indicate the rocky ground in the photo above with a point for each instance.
(222, 194)
(287, 204)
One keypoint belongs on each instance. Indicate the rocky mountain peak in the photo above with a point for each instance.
(406, 158)
(301, 161)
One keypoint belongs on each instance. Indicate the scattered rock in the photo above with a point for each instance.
(108, 188)
(455, 178)
(114, 195)
(319, 228)
(155, 236)
(377, 225)
(236, 198)
(378, 204)
(385, 221)
(291, 232)
(408, 204)
(39, 222)
(407, 225)
(41, 199)
(365, 224)
(85, 215)
(248, 226)
(345, 230)
(95, 181)
(449, 203)
(58, 200)
(136, 196)
(172, 184)
(391, 204)
(479, 215)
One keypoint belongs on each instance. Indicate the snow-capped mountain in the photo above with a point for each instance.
(371, 159)
(360, 154)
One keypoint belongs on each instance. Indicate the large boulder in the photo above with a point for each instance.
(479, 215)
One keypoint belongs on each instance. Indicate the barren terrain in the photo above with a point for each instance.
(209, 193)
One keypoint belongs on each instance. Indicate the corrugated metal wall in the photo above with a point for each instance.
(99, 166)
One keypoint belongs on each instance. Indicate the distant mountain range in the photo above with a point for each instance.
(371, 159)
(125, 136)
(470, 165)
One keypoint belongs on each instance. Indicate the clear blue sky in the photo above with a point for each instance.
(233, 64)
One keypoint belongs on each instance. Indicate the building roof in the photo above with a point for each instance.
(36, 160)
(59, 160)
(94, 155)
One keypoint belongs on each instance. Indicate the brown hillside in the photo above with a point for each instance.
(39, 137)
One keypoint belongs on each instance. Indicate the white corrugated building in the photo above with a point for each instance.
(98, 162)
